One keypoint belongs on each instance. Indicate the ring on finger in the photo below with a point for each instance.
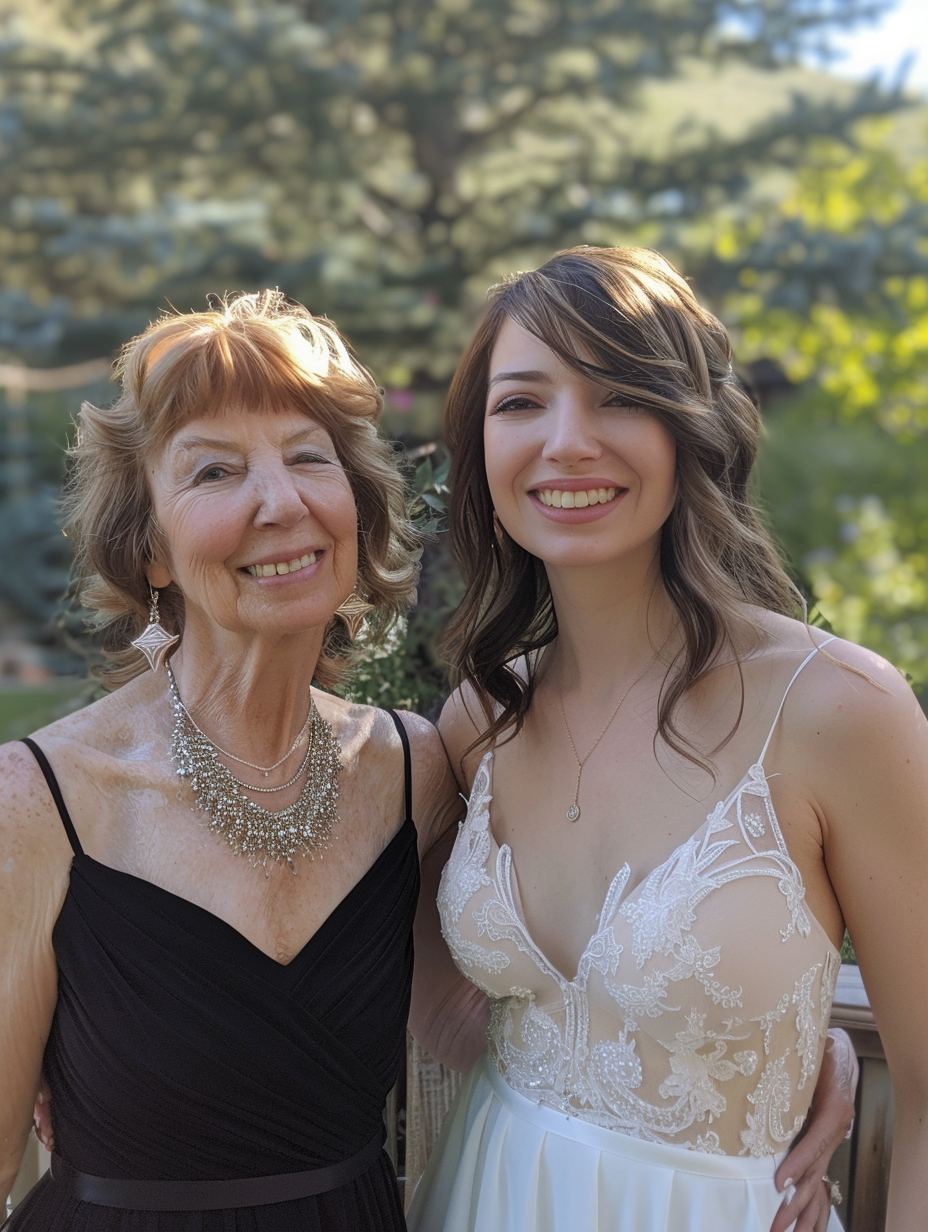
(834, 1191)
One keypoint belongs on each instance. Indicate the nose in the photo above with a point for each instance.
(571, 433)
(278, 500)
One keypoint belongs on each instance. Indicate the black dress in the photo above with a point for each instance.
(181, 1052)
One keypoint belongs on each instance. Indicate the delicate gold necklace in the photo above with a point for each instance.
(574, 811)
(304, 827)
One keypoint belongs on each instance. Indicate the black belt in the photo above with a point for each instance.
(212, 1195)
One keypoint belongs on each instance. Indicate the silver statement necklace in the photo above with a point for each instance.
(574, 811)
(265, 770)
(303, 827)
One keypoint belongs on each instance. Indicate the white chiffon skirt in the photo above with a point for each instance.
(503, 1164)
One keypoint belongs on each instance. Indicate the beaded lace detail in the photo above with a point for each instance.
(700, 1006)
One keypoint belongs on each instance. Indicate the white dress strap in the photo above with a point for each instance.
(776, 718)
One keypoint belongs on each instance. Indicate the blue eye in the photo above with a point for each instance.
(211, 473)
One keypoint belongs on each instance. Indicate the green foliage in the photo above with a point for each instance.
(874, 591)
(382, 160)
(844, 469)
(858, 324)
(407, 671)
(430, 487)
(26, 710)
(385, 160)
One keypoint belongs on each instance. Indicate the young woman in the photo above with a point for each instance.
(679, 792)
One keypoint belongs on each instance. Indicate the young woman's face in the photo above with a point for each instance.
(259, 520)
(577, 476)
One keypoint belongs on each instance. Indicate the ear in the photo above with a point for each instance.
(158, 574)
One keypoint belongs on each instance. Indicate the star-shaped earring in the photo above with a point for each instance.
(154, 641)
(352, 613)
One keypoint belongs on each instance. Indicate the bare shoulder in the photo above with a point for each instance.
(35, 854)
(371, 743)
(854, 690)
(435, 799)
(374, 731)
(28, 808)
(462, 724)
(833, 671)
(852, 716)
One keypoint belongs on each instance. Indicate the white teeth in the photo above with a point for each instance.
(558, 498)
(284, 566)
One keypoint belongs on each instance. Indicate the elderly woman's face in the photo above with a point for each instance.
(259, 521)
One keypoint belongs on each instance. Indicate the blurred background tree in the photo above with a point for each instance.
(847, 454)
(384, 162)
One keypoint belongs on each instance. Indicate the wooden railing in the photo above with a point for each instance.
(861, 1166)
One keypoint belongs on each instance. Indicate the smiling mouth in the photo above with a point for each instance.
(557, 498)
(282, 566)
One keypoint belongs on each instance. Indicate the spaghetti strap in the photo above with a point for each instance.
(56, 795)
(407, 761)
(776, 718)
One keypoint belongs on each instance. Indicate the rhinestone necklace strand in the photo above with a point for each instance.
(265, 770)
(303, 827)
(574, 811)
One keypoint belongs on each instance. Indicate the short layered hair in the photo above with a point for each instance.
(261, 353)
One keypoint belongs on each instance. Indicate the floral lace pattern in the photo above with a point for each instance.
(700, 1006)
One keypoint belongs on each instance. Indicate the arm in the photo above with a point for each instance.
(868, 764)
(34, 860)
(448, 1015)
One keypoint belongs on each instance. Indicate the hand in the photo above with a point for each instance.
(42, 1115)
(806, 1203)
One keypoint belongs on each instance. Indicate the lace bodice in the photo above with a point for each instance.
(699, 1010)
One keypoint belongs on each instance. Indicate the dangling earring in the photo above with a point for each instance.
(155, 641)
(352, 613)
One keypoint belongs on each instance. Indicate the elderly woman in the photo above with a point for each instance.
(219, 1017)
(680, 793)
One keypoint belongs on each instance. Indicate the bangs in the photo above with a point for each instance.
(187, 369)
(616, 336)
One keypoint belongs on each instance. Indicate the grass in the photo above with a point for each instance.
(25, 710)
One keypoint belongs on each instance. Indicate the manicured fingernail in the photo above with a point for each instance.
(789, 1191)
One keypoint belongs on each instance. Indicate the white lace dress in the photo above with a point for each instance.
(658, 1089)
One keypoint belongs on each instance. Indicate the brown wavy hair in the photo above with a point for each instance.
(260, 352)
(626, 318)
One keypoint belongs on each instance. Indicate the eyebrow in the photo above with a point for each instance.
(533, 376)
(186, 443)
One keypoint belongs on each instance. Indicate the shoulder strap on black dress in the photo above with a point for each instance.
(56, 795)
(407, 761)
